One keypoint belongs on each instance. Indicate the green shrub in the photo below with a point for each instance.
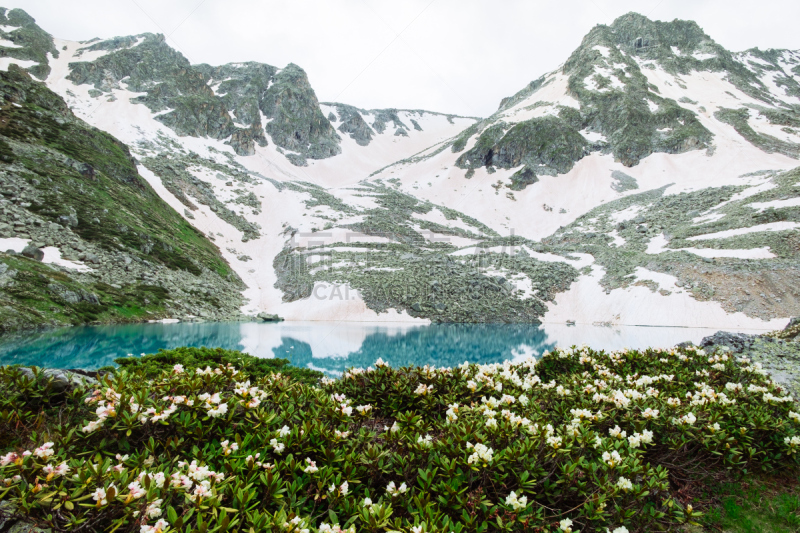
(191, 358)
(580, 441)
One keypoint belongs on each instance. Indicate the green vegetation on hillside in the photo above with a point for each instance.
(69, 185)
(410, 266)
(765, 287)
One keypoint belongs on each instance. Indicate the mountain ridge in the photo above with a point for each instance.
(558, 207)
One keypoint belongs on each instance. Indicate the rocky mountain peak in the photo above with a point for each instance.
(297, 123)
(30, 43)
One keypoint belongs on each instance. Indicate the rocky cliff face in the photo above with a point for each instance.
(238, 102)
(75, 192)
(296, 121)
(29, 43)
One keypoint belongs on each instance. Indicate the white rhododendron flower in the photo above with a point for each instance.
(136, 490)
(516, 503)
(99, 495)
(612, 459)
(624, 484)
(452, 411)
(160, 526)
(650, 413)
(616, 432)
(228, 448)
(45, 451)
(311, 466)
(216, 412)
(277, 446)
(482, 454)
(394, 491)
(425, 442)
(423, 390)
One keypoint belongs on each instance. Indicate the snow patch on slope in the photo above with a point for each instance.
(586, 302)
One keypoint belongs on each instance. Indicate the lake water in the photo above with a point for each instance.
(331, 346)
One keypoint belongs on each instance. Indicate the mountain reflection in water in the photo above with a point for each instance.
(329, 346)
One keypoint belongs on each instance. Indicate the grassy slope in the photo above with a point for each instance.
(70, 167)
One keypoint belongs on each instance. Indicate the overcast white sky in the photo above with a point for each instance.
(455, 56)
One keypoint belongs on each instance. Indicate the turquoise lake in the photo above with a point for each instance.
(330, 346)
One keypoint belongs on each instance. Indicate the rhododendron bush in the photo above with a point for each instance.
(580, 440)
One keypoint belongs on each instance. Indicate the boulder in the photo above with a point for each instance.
(68, 220)
(63, 380)
(737, 342)
(33, 252)
(266, 317)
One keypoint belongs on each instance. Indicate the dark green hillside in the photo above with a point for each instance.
(68, 185)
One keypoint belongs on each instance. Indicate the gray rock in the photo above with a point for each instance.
(354, 125)
(266, 317)
(737, 342)
(33, 252)
(63, 380)
(68, 220)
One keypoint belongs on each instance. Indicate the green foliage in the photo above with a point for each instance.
(192, 358)
(582, 439)
(42, 296)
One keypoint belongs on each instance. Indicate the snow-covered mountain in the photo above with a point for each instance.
(647, 180)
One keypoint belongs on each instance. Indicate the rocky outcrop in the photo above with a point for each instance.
(382, 117)
(206, 101)
(353, 124)
(266, 317)
(60, 380)
(623, 182)
(614, 99)
(296, 121)
(546, 146)
(31, 43)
